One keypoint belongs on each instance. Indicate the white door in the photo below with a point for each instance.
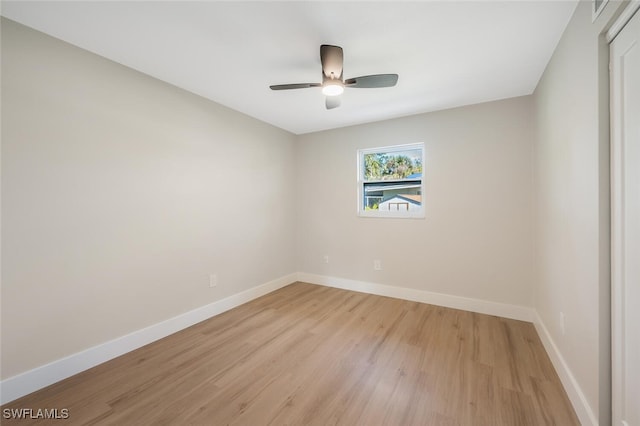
(625, 217)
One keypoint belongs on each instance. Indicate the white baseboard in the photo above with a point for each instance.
(578, 400)
(40, 377)
(521, 313)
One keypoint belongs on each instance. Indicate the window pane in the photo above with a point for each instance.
(390, 196)
(392, 165)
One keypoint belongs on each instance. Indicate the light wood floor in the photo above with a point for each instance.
(312, 355)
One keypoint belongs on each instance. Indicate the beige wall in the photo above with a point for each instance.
(572, 203)
(120, 195)
(476, 239)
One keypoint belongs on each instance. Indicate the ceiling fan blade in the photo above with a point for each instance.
(332, 59)
(332, 102)
(294, 86)
(372, 81)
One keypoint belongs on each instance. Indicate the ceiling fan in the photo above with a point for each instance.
(332, 82)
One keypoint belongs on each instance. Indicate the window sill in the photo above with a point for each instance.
(390, 215)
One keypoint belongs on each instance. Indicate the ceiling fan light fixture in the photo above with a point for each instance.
(333, 83)
(331, 88)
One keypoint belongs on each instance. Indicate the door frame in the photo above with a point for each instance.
(622, 20)
(617, 229)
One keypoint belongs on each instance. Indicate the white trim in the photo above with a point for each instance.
(578, 400)
(623, 183)
(30, 381)
(40, 377)
(402, 214)
(622, 20)
(617, 246)
(521, 313)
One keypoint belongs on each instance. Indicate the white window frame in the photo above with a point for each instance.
(419, 214)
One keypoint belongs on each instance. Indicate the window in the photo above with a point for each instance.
(390, 181)
(598, 5)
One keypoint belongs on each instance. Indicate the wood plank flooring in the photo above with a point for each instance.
(313, 355)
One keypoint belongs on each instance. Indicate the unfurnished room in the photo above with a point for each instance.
(320, 212)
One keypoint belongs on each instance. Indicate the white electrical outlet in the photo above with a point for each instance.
(562, 327)
(326, 258)
(213, 280)
(377, 265)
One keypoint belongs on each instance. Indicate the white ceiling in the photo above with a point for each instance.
(447, 53)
